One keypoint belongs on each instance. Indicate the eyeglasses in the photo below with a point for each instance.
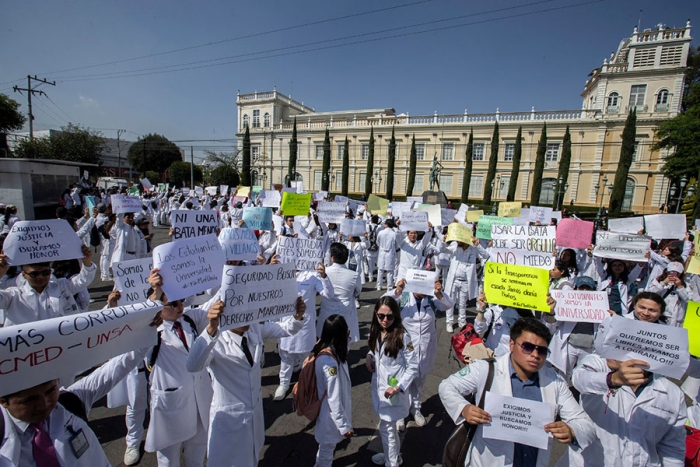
(174, 303)
(35, 274)
(528, 348)
(382, 317)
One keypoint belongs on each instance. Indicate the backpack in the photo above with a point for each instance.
(156, 348)
(692, 447)
(466, 336)
(305, 392)
(373, 239)
(95, 237)
(62, 201)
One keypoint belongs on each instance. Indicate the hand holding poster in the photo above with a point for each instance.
(414, 220)
(540, 214)
(420, 281)
(626, 224)
(399, 207)
(223, 190)
(331, 212)
(189, 224)
(257, 293)
(509, 209)
(664, 348)
(517, 420)
(516, 286)
(239, 244)
(211, 190)
(447, 216)
(243, 191)
(574, 233)
(531, 245)
(258, 218)
(580, 306)
(483, 228)
(305, 253)
(121, 204)
(460, 233)
(352, 227)
(694, 265)
(692, 324)
(434, 213)
(295, 204)
(475, 215)
(130, 278)
(661, 226)
(628, 247)
(189, 266)
(42, 241)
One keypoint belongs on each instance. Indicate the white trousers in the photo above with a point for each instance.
(460, 294)
(195, 449)
(389, 278)
(104, 267)
(390, 443)
(137, 385)
(415, 391)
(289, 360)
(324, 455)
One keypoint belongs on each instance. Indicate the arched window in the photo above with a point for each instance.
(246, 120)
(662, 97)
(613, 99)
(266, 120)
(547, 191)
(629, 195)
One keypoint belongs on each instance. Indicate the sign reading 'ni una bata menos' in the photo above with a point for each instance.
(190, 224)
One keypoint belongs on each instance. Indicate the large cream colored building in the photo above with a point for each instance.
(646, 72)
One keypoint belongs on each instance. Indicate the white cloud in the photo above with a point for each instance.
(87, 102)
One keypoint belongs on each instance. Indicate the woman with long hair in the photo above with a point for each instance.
(334, 422)
(393, 365)
(9, 219)
(672, 288)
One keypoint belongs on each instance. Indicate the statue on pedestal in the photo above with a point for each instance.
(435, 170)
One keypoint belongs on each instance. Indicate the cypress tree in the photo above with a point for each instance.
(413, 159)
(515, 171)
(467, 178)
(623, 167)
(346, 167)
(370, 164)
(539, 168)
(325, 176)
(493, 160)
(245, 170)
(390, 167)
(293, 145)
(564, 165)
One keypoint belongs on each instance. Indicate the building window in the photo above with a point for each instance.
(636, 149)
(254, 153)
(503, 185)
(671, 55)
(476, 186)
(552, 152)
(341, 152)
(448, 150)
(418, 185)
(317, 180)
(628, 200)
(420, 152)
(547, 191)
(644, 58)
(637, 94)
(446, 184)
(338, 180)
(363, 179)
(266, 120)
(256, 119)
(478, 153)
(613, 100)
(245, 120)
(510, 150)
(662, 101)
(365, 152)
(319, 151)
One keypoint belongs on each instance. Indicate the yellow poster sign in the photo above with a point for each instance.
(516, 286)
(459, 233)
(243, 191)
(694, 266)
(510, 209)
(692, 324)
(295, 205)
(473, 216)
(377, 204)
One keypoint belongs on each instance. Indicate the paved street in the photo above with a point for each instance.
(289, 438)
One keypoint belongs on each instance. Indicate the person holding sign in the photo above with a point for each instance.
(346, 286)
(672, 287)
(127, 239)
(386, 259)
(521, 374)
(234, 360)
(411, 256)
(493, 323)
(639, 416)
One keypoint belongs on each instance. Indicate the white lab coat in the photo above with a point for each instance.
(676, 301)
(124, 236)
(411, 255)
(177, 396)
(498, 339)
(496, 453)
(345, 284)
(335, 417)
(386, 241)
(404, 368)
(632, 430)
(466, 257)
(236, 423)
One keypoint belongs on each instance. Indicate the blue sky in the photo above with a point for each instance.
(481, 59)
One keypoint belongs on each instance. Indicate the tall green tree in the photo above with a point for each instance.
(493, 160)
(515, 171)
(623, 166)
(73, 143)
(539, 168)
(11, 119)
(469, 161)
(346, 167)
(293, 150)
(245, 169)
(153, 152)
(564, 165)
(413, 160)
(679, 136)
(390, 167)
(179, 173)
(370, 164)
(326, 176)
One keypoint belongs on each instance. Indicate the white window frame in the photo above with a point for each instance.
(341, 152)
(614, 99)
(266, 119)
(446, 183)
(364, 151)
(319, 151)
(478, 156)
(246, 120)
(420, 151)
(476, 181)
(256, 118)
(318, 180)
(509, 152)
(637, 98)
(254, 153)
(448, 151)
(552, 154)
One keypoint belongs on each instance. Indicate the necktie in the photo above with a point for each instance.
(419, 302)
(180, 333)
(246, 350)
(42, 447)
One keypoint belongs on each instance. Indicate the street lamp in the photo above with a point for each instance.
(561, 190)
(689, 193)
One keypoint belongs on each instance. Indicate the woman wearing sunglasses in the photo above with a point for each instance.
(393, 365)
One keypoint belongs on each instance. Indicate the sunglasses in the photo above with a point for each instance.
(382, 317)
(35, 274)
(174, 303)
(528, 348)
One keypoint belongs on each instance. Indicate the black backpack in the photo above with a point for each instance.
(373, 239)
(95, 237)
(156, 348)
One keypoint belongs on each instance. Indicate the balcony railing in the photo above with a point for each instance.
(662, 108)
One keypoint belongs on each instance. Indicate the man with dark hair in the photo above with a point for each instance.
(346, 284)
(386, 260)
(288, 227)
(520, 373)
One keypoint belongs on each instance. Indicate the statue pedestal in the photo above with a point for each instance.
(435, 197)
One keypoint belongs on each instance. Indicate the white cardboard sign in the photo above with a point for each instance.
(540, 214)
(189, 223)
(662, 226)
(352, 227)
(303, 252)
(414, 220)
(122, 204)
(523, 245)
(420, 281)
(400, 207)
(211, 190)
(626, 224)
(271, 198)
(628, 247)
(517, 420)
(340, 199)
(331, 212)
(42, 241)
(146, 184)
(581, 306)
(130, 278)
(239, 244)
(223, 190)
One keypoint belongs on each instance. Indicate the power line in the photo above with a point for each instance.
(70, 119)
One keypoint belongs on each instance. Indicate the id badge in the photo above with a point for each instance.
(79, 443)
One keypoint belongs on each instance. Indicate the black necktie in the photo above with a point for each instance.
(246, 350)
(180, 333)
(419, 301)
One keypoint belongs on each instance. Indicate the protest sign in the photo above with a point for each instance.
(320, 195)
(574, 233)
(434, 213)
(130, 278)
(399, 207)
(161, 187)
(277, 222)
(352, 227)
(511, 209)
(694, 265)
(556, 215)
(420, 281)
(303, 252)
(414, 199)
(185, 191)
(661, 226)
(460, 233)
(146, 184)
(483, 229)
(628, 247)
(517, 420)
(258, 218)
(239, 244)
(626, 224)
(520, 221)
(581, 306)
(414, 220)
(90, 202)
(239, 199)
(330, 212)
(133, 191)
(355, 205)
(340, 199)
(211, 190)
(189, 224)
(516, 286)
(121, 204)
(257, 293)
(223, 190)
(71, 344)
(664, 348)
(523, 245)
(300, 230)
(243, 191)
(256, 188)
(377, 204)
(692, 324)
(462, 212)
(189, 266)
(540, 214)
(199, 191)
(42, 241)
(299, 184)
(295, 205)
(447, 216)
(473, 216)
(271, 198)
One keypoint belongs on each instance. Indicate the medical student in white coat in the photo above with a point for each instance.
(234, 359)
(386, 259)
(126, 238)
(639, 416)
(346, 286)
(411, 255)
(394, 365)
(334, 422)
(418, 319)
(517, 374)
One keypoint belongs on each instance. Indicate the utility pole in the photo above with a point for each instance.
(119, 151)
(192, 167)
(30, 91)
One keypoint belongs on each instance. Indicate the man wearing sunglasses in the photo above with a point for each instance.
(38, 295)
(519, 373)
